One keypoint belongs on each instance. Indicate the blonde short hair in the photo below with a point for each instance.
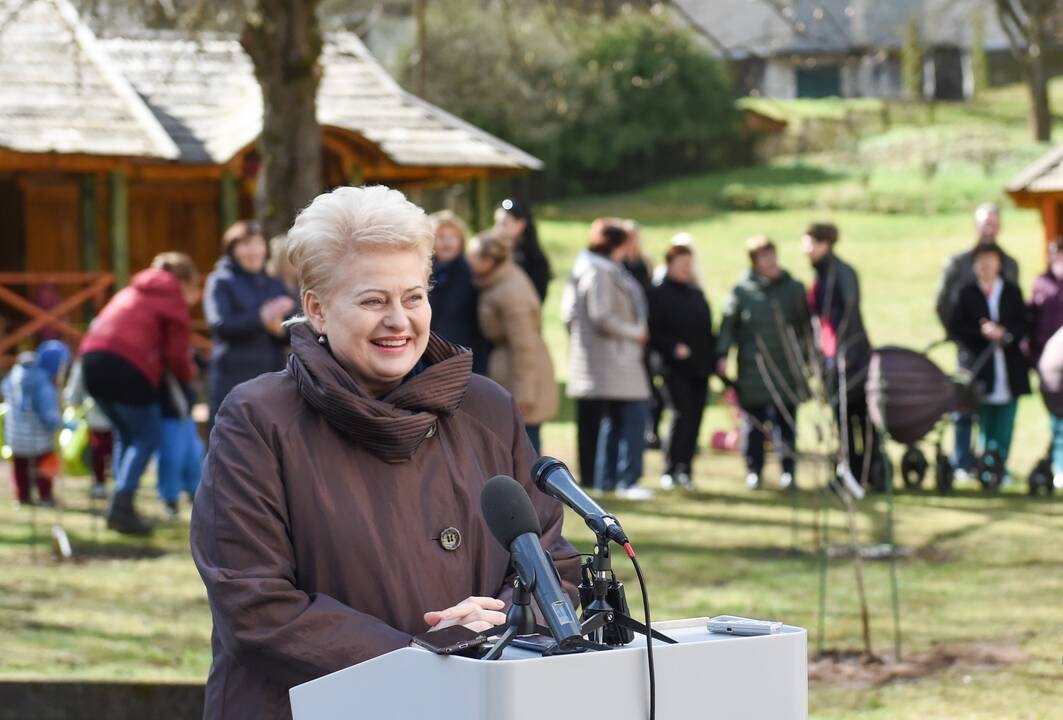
(348, 220)
(448, 218)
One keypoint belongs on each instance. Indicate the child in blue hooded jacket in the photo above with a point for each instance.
(33, 417)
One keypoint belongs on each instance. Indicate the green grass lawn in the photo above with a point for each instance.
(977, 569)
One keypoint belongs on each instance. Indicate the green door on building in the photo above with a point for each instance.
(819, 82)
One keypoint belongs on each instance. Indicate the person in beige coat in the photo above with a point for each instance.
(510, 318)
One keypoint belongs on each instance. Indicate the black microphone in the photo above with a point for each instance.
(553, 478)
(512, 520)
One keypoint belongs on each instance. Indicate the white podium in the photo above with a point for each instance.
(704, 676)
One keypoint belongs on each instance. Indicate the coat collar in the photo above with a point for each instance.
(391, 427)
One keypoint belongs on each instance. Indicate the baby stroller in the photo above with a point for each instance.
(1050, 370)
(909, 398)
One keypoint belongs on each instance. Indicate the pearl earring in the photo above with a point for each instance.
(323, 340)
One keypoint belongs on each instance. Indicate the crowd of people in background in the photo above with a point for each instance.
(641, 340)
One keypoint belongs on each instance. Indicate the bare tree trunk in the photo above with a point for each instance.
(1026, 22)
(421, 76)
(283, 39)
(1037, 79)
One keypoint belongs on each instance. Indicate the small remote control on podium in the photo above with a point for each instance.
(733, 625)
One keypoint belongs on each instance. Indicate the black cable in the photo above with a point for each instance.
(649, 634)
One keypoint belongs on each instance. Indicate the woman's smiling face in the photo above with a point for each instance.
(377, 317)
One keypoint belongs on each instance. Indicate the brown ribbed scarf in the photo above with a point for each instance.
(393, 427)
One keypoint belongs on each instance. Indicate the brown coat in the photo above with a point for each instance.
(320, 550)
(511, 318)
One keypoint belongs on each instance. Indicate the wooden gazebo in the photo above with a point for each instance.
(115, 149)
(1040, 186)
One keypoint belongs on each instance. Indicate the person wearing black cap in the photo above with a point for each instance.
(515, 223)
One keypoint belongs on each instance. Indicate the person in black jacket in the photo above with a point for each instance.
(641, 268)
(515, 223)
(990, 316)
(834, 301)
(453, 296)
(245, 309)
(681, 333)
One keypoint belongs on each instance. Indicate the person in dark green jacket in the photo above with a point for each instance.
(766, 318)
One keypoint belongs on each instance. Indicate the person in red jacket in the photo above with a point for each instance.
(140, 335)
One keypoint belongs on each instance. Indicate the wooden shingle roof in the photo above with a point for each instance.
(1044, 175)
(59, 92)
(195, 100)
(204, 92)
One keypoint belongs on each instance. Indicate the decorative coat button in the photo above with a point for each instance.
(450, 539)
(431, 431)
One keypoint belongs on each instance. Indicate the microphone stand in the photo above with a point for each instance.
(520, 621)
(605, 620)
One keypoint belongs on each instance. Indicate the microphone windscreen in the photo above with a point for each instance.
(508, 510)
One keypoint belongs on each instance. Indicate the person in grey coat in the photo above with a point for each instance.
(604, 309)
(958, 273)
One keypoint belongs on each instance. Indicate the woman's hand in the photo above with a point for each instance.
(993, 332)
(272, 314)
(682, 351)
(479, 614)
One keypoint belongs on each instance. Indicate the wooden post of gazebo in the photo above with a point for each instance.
(230, 207)
(119, 207)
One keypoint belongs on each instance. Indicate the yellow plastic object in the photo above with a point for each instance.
(74, 444)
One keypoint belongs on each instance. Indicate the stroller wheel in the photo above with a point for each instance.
(991, 470)
(1041, 478)
(943, 473)
(913, 467)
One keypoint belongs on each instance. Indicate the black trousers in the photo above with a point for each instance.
(686, 399)
(589, 415)
(783, 435)
(863, 439)
(657, 401)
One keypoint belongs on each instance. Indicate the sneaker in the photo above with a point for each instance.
(786, 481)
(960, 475)
(636, 493)
(1057, 481)
(98, 492)
(48, 503)
(667, 482)
(753, 481)
(1008, 481)
(172, 510)
(684, 481)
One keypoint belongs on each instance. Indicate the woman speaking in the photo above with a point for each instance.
(339, 510)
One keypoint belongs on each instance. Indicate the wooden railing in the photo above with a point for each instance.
(89, 286)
